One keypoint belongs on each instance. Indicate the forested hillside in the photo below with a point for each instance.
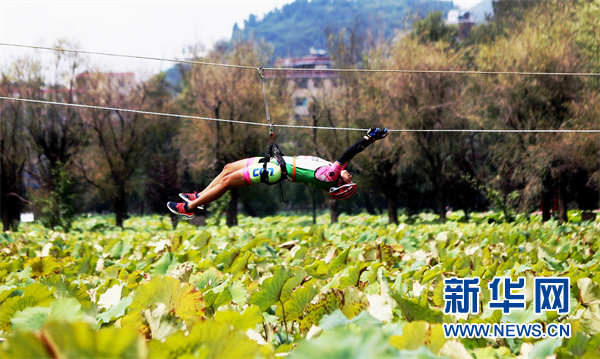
(298, 26)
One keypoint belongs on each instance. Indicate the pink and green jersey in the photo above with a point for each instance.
(309, 170)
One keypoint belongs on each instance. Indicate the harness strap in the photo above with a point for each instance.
(264, 175)
(273, 152)
(294, 170)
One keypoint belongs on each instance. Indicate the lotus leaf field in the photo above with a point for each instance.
(281, 286)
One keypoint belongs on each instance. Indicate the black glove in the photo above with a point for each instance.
(377, 133)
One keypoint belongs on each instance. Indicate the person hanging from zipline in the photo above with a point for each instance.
(312, 171)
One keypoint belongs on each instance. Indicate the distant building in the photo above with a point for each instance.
(465, 21)
(452, 18)
(309, 80)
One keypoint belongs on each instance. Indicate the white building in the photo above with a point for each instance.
(309, 80)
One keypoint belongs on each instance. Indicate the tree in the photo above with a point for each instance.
(510, 12)
(229, 94)
(539, 165)
(348, 47)
(117, 151)
(13, 156)
(433, 29)
(162, 169)
(54, 133)
(428, 101)
(380, 167)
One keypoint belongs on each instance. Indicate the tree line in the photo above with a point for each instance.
(63, 161)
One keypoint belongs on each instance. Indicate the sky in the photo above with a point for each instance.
(153, 28)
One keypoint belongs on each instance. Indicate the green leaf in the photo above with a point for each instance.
(5, 292)
(210, 278)
(544, 348)
(339, 262)
(351, 275)
(239, 264)
(299, 300)
(576, 345)
(182, 299)
(117, 249)
(30, 318)
(115, 311)
(34, 295)
(298, 275)
(437, 338)
(592, 347)
(318, 270)
(438, 294)
(43, 266)
(589, 291)
(327, 303)
(354, 302)
(63, 288)
(162, 266)
(208, 339)
(33, 318)
(161, 322)
(80, 340)
(416, 309)
(414, 335)
(241, 321)
(24, 345)
(239, 294)
(337, 319)
(201, 240)
(522, 316)
(273, 288)
(66, 309)
(215, 298)
(590, 320)
(224, 260)
(342, 343)
(490, 352)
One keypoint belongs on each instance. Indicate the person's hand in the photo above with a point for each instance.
(376, 133)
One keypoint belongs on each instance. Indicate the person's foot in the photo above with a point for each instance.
(189, 197)
(180, 209)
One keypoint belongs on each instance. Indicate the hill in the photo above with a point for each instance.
(298, 26)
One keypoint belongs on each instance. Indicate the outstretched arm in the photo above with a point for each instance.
(372, 135)
(332, 173)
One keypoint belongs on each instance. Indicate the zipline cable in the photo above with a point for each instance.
(126, 56)
(461, 72)
(290, 126)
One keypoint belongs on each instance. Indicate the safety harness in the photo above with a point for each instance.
(274, 152)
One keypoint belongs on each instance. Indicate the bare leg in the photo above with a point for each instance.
(218, 188)
(228, 169)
